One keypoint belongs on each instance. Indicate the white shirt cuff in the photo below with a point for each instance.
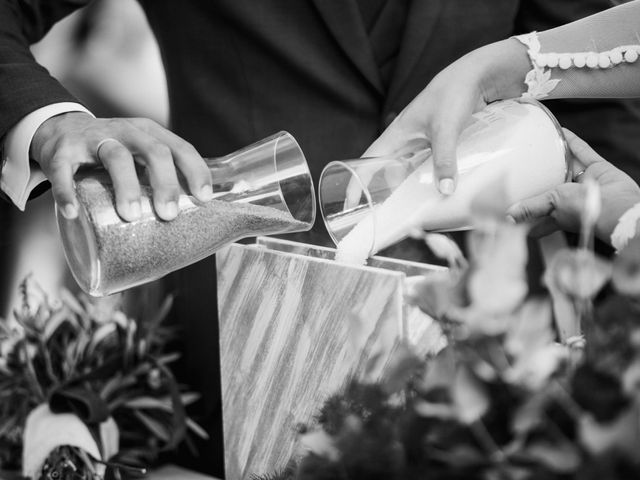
(19, 176)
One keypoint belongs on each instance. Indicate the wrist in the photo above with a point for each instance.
(50, 129)
(506, 64)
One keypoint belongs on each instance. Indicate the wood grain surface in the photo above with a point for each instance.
(293, 328)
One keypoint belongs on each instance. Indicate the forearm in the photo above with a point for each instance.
(24, 85)
(594, 57)
(605, 37)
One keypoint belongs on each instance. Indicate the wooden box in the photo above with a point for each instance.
(294, 327)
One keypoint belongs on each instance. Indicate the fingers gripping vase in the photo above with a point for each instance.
(263, 189)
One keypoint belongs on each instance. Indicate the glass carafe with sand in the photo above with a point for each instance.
(265, 188)
(369, 204)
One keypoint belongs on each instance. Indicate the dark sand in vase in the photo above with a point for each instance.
(131, 253)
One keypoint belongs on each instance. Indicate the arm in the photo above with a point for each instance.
(498, 71)
(24, 85)
(595, 56)
(609, 125)
(67, 141)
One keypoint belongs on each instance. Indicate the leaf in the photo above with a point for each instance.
(619, 435)
(530, 414)
(440, 371)
(319, 443)
(56, 320)
(497, 283)
(154, 426)
(179, 425)
(402, 366)
(168, 358)
(103, 332)
(631, 378)
(190, 397)
(110, 386)
(71, 301)
(469, 395)
(445, 248)
(197, 429)
(109, 438)
(592, 206)
(578, 273)
(149, 403)
(626, 269)
(434, 410)
(530, 329)
(545, 89)
(162, 403)
(533, 370)
(459, 456)
(559, 456)
(432, 293)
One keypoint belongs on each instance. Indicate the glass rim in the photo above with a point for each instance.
(302, 161)
(345, 164)
(89, 285)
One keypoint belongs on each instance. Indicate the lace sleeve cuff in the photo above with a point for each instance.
(626, 228)
(538, 80)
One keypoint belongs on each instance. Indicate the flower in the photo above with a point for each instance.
(77, 363)
(505, 398)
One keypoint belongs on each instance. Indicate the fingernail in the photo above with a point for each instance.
(135, 210)
(446, 186)
(170, 209)
(510, 219)
(69, 211)
(206, 193)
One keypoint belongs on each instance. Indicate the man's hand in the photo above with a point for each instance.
(65, 142)
(442, 110)
(564, 203)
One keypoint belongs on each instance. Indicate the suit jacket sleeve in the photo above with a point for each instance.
(24, 85)
(611, 126)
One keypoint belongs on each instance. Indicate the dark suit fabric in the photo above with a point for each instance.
(239, 70)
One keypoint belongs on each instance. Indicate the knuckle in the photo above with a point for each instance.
(168, 191)
(204, 172)
(129, 191)
(446, 163)
(113, 123)
(159, 151)
(60, 192)
(68, 141)
(186, 149)
(115, 150)
(554, 197)
(144, 124)
(59, 160)
(524, 213)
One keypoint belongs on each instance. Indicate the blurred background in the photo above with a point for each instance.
(106, 55)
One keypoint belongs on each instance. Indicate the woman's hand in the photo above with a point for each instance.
(564, 204)
(441, 111)
(65, 142)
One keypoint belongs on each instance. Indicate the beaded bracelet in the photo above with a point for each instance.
(539, 80)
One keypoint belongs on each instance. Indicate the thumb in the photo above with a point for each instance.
(445, 169)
